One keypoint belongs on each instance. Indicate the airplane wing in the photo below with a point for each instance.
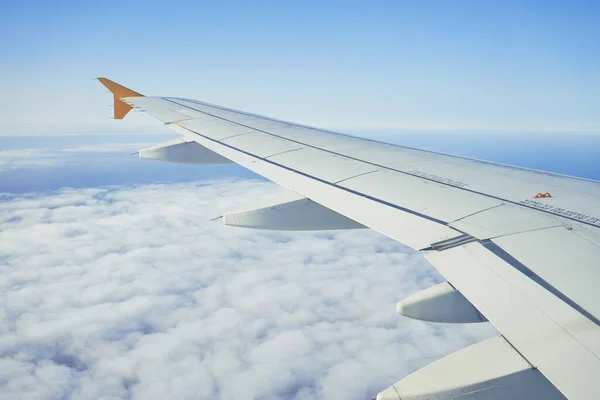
(519, 248)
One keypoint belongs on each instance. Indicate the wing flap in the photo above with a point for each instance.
(491, 369)
(549, 333)
(574, 267)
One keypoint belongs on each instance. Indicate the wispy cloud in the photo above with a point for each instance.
(44, 157)
(131, 292)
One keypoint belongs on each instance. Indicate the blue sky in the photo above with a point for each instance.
(357, 66)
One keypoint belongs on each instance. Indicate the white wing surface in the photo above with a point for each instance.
(519, 248)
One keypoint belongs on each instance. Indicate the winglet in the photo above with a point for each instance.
(119, 92)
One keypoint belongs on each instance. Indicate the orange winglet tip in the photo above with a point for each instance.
(542, 195)
(120, 108)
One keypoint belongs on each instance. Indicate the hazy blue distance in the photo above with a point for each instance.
(569, 154)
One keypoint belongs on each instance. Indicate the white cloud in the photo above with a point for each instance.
(130, 292)
(45, 157)
(12, 159)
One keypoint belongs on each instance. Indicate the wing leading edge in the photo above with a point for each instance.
(527, 264)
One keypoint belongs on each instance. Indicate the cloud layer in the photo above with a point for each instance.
(46, 157)
(130, 292)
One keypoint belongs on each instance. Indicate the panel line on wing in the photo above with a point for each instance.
(283, 152)
(516, 232)
(496, 164)
(356, 176)
(380, 201)
(494, 248)
(396, 170)
(178, 121)
(477, 212)
(236, 135)
(518, 352)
